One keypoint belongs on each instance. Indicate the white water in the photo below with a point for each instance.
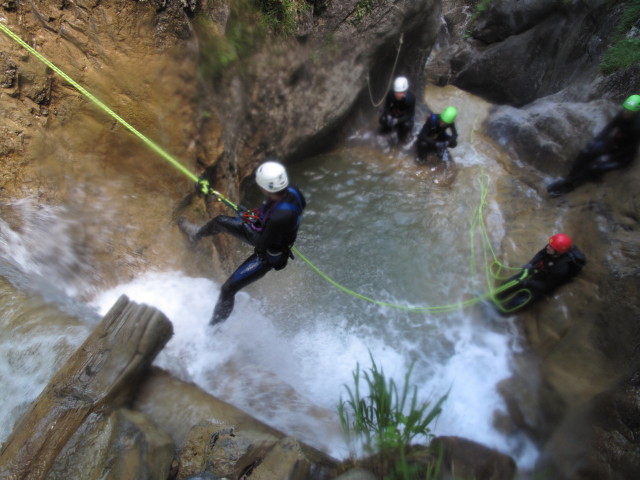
(293, 341)
(374, 225)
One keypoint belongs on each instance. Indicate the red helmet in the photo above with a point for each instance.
(560, 242)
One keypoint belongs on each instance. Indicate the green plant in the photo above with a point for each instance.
(362, 7)
(384, 421)
(625, 47)
(243, 32)
(481, 7)
(281, 16)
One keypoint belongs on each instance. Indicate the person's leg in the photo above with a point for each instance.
(252, 269)
(424, 146)
(582, 166)
(220, 224)
(404, 129)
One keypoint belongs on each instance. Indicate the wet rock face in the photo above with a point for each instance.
(516, 52)
(612, 451)
(291, 97)
(59, 148)
(548, 134)
(504, 19)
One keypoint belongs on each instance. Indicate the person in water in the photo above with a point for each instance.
(556, 264)
(614, 147)
(271, 229)
(438, 133)
(399, 109)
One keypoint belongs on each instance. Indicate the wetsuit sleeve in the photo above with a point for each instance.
(424, 131)
(454, 133)
(538, 257)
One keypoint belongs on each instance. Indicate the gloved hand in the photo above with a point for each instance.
(453, 143)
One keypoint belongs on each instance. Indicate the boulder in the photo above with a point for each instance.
(215, 438)
(467, 459)
(125, 445)
(516, 52)
(600, 439)
(224, 452)
(548, 134)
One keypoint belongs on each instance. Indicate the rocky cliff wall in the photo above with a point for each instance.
(540, 62)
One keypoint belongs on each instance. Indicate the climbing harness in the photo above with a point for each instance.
(393, 70)
(203, 186)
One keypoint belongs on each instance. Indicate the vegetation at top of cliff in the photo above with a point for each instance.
(385, 425)
(282, 16)
(249, 23)
(624, 50)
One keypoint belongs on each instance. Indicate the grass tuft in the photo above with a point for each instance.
(384, 421)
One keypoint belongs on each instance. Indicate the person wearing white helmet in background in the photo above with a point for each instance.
(399, 109)
(271, 229)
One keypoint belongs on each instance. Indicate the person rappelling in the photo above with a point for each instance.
(556, 264)
(437, 134)
(271, 229)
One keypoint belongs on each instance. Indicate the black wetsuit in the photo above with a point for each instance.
(545, 273)
(614, 147)
(433, 136)
(398, 113)
(272, 235)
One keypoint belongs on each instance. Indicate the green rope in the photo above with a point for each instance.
(476, 223)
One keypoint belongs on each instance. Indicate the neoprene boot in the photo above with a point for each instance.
(224, 307)
(189, 229)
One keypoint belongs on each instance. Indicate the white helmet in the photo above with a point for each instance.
(272, 177)
(401, 84)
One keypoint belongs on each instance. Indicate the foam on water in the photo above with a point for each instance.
(294, 382)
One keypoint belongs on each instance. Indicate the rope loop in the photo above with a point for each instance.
(393, 70)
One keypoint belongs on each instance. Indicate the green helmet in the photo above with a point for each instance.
(448, 115)
(632, 103)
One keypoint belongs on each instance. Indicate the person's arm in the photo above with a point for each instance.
(538, 257)
(453, 141)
